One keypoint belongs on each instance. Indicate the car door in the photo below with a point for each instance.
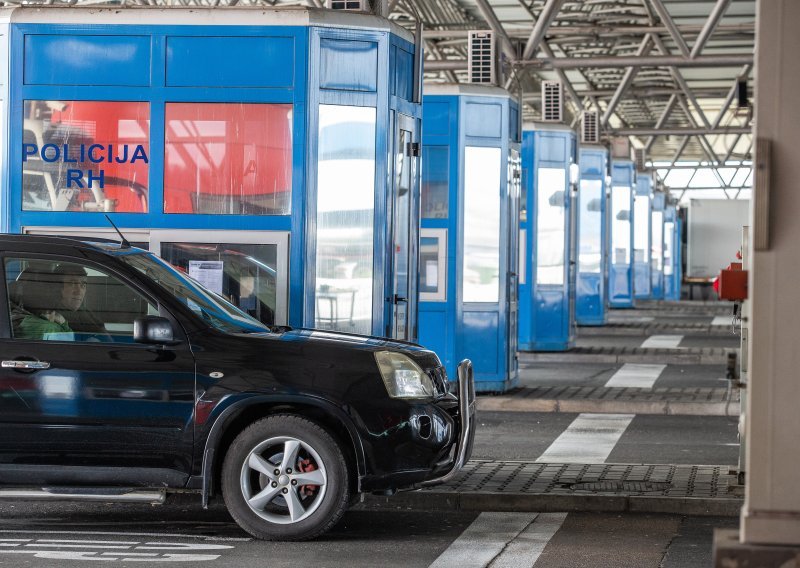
(76, 391)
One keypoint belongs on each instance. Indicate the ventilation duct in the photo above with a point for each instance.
(590, 127)
(552, 101)
(621, 148)
(640, 156)
(482, 58)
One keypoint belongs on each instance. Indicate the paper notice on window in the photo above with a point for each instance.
(208, 273)
(432, 273)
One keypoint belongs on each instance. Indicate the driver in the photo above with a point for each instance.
(71, 294)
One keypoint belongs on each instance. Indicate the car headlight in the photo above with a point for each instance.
(402, 376)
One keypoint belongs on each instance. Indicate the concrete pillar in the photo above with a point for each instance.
(771, 513)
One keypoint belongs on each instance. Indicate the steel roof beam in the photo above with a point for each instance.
(548, 63)
(627, 79)
(661, 121)
(731, 94)
(691, 131)
(491, 19)
(671, 27)
(709, 27)
(546, 17)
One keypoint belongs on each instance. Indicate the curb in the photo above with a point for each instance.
(668, 359)
(510, 404)
(547, 503)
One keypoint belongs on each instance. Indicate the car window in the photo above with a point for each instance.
(59, 300)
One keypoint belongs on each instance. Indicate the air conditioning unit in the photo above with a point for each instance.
(640, 157)
(590, 127)
(349, 5)
(482, 63)
(552, 101)
(621, 148)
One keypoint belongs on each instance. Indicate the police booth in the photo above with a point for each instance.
(657, 246)
(642, 204)
(620, 270)
(592, 249)
(271, 155)
(672, 254)
(468, 244)
(547, 301)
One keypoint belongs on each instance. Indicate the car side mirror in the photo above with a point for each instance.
(152, 329)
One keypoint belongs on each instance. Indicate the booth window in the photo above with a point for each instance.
(435, 182)
(551, 225)
(641, 229)
(657, 240)
(590, 221)
(621, 224)
(85, 156)
(345, 212)
(669, 227)
(228, 158)
(433, 265)
(482, 173)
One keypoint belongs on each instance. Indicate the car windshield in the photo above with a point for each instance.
(214, 310)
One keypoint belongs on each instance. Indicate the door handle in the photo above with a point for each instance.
(398, 299)
(25, 365)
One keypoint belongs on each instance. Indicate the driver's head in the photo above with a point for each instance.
(73, 285)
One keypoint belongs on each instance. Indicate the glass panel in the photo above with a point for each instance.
(657, 240)
(590, 225)
(401, 234)
(65, 301)
(345, 226)
(551, 228)
(482, 173)
(641, 227)
(244, 274)
(669, 234)
(231, 159)
(433, 268)
(621, 224)
(435, 182)
(85, 156)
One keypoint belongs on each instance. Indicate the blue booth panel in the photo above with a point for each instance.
(236, 150)
(657, 247)
(592, 249)
(642, 206)
(672, 254)
(620, 270)
(547, 277)
(468, 247)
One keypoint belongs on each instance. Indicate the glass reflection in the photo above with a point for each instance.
(345, 210)
(621, 224)
(244, 274)
(669, 229)
(429, 276)
(85, 156)
(435, 182)
(228, 158)
(590, 222)
(550, 226)
(641, 229)
(657, 246)
(482, 173)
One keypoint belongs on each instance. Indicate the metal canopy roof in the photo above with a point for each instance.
(662, 72)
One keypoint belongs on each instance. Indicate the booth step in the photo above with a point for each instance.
(494, 485)
(616, 400)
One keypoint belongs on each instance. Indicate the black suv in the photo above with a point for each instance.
(122, 379)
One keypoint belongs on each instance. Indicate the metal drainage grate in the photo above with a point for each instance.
(625, 486)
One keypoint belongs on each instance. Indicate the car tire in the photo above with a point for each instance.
(263, 475)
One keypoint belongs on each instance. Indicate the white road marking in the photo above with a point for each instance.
(529, 545)
(722, 320)
(483, 540)
(127, 534)
(636, 376)
(663, 341)
(589, 439)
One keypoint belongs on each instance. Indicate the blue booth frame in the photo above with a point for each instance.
(620, 270)
(547, 298)
(657, 252)
(642, 237)
(673, 273)
(455, 118)
(308, 65)
(591, 291)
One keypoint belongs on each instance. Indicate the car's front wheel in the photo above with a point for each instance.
(285, 478)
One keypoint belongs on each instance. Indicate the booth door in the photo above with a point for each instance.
(514, 188)
(401, 303)
(248, 268)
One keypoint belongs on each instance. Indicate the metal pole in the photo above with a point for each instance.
(546, 17)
